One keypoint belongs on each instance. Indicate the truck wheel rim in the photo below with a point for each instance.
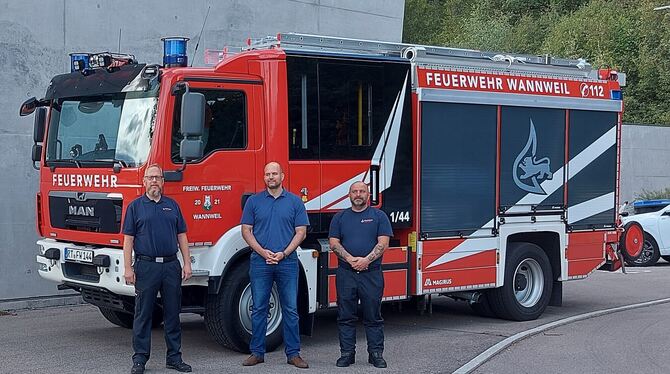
(647, 253)
(634, 241)
(246, 306)
(528, 282)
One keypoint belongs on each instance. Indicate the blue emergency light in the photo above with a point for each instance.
(616, 95)
(79, 62)
(174, 52)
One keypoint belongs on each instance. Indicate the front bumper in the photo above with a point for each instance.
(60, 271)
(109, 278)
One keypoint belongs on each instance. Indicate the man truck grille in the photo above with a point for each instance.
(85, 211)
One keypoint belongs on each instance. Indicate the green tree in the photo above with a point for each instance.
(626, 35)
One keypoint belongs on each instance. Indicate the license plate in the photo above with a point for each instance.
(78, 255)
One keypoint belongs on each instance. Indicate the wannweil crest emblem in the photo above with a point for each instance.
(528, 171)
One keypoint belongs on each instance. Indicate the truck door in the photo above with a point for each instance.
(349, 120)
(213, 189)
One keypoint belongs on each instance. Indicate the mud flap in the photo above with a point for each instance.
(556, 298)
(306, 324)
(613, 259)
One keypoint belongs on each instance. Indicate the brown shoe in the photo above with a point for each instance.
(298, 362)
(253, 360)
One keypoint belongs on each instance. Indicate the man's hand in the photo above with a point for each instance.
(129, 275)
(269, 257)
(360, 263)
(278, 256)
(186, 271)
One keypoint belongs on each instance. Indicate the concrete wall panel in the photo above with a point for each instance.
(36, 37)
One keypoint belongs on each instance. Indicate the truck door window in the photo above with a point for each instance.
(225, 122)
(351, 109)
(303, 108)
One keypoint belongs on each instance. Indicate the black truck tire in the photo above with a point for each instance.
(223, 317)
(483, 307)
(117, 317)
(528, 281)
(125, 319)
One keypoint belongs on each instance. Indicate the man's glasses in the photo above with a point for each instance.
(153, 177)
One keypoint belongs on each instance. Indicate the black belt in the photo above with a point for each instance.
(156, 259)
(376, 268)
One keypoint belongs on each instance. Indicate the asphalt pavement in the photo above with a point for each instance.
(77, 339)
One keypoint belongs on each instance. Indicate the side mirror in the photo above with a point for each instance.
(28, 107)
(192, 126)
(36, 153)
(192, 114)
(39, 125)
(191, 149)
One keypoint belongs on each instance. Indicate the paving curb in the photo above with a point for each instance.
(497, 348)
(40, 302)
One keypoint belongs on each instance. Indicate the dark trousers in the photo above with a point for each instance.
(368, 287)
(151, 277)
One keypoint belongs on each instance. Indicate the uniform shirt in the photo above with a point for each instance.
(154, 225)
(358, 232)
(274, 220)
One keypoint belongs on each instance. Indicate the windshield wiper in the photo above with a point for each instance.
(112, 160)
(63, 162)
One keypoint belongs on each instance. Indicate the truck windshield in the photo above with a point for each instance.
(101, 130)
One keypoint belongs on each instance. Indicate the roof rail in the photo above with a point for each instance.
(316, 43)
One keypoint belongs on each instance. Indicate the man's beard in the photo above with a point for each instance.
(274, 186)
(154, 191)
(359, 204)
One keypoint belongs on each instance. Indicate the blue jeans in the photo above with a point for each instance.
(262, 275)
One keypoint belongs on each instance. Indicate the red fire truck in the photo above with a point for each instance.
(499, 172)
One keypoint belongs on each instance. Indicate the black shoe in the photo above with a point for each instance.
(138, 368)
(180, 367)
(345, 360)
(376, 359)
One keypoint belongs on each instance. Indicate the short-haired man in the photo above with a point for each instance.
(155, 229)
(274, 223)
(359, 236)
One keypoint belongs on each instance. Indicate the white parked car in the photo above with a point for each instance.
(654, 218)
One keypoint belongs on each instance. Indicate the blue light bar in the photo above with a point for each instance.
(79, 62)
(616, 95)
(174, 52)
(651, 203)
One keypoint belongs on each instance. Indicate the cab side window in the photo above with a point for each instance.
(225, 122)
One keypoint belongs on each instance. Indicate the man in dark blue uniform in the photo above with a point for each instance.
(359, 236)
(155, 229)
(274, 223)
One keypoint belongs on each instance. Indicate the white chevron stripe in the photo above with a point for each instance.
(333, 194)
(384, 156)
(590, 208)
(577, 164)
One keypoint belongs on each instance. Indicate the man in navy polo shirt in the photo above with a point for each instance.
(155, 229)
(274, 222)
(359, 236)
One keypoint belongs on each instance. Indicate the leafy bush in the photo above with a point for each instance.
(653, 195)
